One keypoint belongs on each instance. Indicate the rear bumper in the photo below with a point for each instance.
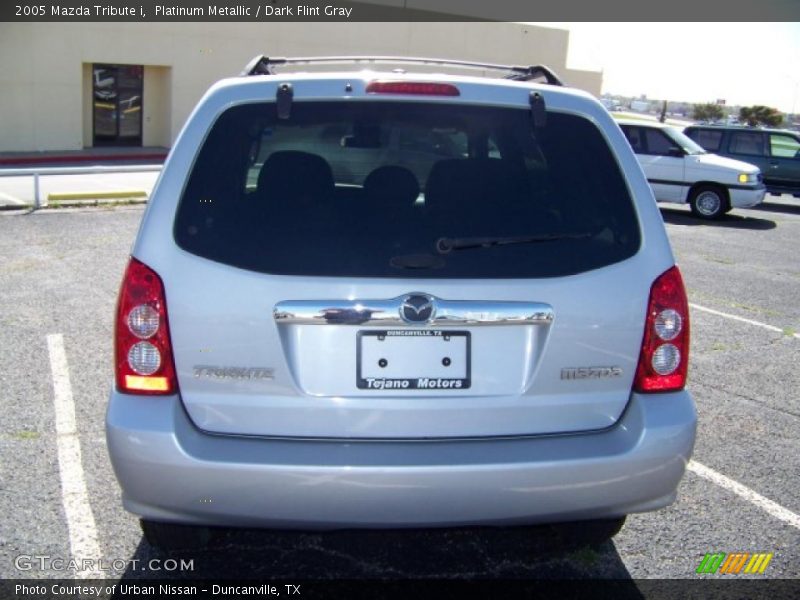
(170, 471)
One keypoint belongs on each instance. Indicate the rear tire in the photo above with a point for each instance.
(589, 533)
(709, 202)
(172, 536)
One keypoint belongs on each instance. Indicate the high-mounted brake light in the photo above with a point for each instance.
(419, 88)
(143, 351)
(664, 357)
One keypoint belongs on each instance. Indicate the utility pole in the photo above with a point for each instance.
(663, 116)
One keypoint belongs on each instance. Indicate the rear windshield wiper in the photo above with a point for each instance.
(445, 245)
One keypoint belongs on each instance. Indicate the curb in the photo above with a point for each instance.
(96, 195)
(97, 158)
(127, 201)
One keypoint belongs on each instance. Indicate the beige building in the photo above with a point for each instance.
(80, 85)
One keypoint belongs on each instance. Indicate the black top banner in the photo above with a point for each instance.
(398, 10)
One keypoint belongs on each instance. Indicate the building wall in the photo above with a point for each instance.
(45, 68)
(591, 81)
(156, 122)
(86, 103)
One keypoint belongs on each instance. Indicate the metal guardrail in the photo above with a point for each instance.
(37, 172)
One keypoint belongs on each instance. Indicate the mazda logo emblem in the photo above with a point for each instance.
(417, 308)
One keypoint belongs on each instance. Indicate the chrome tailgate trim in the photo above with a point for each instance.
(412, 309)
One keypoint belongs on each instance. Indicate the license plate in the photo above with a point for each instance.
(413, 359)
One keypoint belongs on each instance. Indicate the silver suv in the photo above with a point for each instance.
(399, 298)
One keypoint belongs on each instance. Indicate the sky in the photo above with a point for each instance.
(742, 63)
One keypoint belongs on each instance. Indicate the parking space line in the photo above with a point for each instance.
(773, 508)
(10, 198)
(80, 520)
(742, 319)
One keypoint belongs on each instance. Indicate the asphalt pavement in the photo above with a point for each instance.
(59, 274)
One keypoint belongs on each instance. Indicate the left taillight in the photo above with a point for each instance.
(143, 351)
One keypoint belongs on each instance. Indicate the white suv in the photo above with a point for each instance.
(486, 326)
(679, 170)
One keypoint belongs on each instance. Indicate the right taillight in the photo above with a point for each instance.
(143, 351)
(664, 358)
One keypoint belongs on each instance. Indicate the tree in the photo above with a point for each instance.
(708, 112)
(760, 115)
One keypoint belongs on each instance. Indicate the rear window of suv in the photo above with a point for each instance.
(384, 189)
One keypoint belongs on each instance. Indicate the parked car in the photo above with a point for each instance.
(498, 336)
(775, 151)
(679, 170)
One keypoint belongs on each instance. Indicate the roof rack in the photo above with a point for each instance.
(263, 65)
